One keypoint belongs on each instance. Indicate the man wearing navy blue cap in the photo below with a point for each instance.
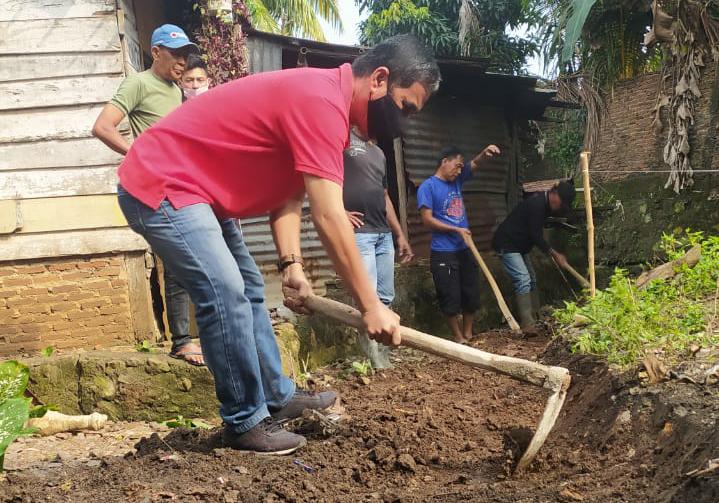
(145, 98)
(148, 96)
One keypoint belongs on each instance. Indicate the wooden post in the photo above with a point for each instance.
(401, 185)
(584, 157)
(144, 325)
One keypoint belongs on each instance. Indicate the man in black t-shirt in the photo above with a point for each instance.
(519, 233)
(372, 215)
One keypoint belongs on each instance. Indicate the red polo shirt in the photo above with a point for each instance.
(242, 147)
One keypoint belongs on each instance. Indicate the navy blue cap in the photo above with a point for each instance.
(171, 36)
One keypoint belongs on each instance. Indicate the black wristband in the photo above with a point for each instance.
(288, 260)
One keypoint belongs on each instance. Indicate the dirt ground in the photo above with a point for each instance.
(432, 430)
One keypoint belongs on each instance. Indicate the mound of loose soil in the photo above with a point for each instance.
(432, 430)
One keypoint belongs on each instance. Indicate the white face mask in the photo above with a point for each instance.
(191, 93)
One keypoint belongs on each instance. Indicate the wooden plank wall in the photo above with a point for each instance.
(60, 62)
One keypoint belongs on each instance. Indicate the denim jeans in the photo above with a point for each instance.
(377, 251)
(178, 311)
(520, 270)
(211, 262)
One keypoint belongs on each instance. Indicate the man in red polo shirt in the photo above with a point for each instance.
(255, 146)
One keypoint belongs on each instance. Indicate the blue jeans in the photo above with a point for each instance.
(178, 311)
(210, 260)
(520, 270)
(377, 251)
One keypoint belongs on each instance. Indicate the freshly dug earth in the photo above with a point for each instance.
(432, 430)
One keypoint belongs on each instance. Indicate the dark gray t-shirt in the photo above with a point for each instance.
(365, 181)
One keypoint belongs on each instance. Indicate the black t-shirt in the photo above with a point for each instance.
(524, 227)
(365, 181)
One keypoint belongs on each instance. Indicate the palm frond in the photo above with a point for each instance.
(329, 11)
(301, 17)
(261, 17)
(575, 23)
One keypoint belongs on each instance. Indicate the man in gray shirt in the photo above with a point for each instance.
(373, 217)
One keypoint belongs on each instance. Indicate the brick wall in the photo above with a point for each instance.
(67, 302)
(629, 141)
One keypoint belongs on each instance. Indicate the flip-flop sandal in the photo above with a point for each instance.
(183, 356)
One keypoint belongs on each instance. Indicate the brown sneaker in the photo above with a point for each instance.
(305, 400)
(268, 438)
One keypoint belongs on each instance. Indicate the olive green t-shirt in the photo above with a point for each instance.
(146, 98)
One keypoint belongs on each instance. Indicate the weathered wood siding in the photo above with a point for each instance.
(60, 62)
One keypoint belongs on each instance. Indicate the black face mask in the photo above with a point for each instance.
(385, 120)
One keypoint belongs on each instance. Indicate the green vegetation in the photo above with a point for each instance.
(477, 28)
(14, 407)
(184, 422)
(602, 40)
(564, 142)
(362, 368)
(48, 351)
(144, 347)
(622, 322)
(297, 18)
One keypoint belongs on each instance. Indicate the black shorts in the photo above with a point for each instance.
(456, 279)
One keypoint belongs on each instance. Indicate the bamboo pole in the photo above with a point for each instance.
(584, 157)
(493, 284)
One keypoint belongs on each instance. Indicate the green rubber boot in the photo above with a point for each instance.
(524, 307)
(536, 305)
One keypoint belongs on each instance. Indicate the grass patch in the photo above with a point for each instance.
(622, 322)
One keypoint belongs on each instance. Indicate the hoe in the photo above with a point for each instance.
(555, 379)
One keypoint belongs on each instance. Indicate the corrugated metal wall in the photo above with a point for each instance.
(265, 56)
(258, 237)
(446, 121)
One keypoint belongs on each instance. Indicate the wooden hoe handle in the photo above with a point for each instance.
(524, 370)
(492, 283)
(582, 280)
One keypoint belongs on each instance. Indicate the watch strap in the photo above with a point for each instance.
(288, 260)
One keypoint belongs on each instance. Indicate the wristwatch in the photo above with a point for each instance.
(288, 260)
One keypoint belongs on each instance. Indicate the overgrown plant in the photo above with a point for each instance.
(14, 407)
(611, 40)
(222, 40)
(564, 142)
(622, 322)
